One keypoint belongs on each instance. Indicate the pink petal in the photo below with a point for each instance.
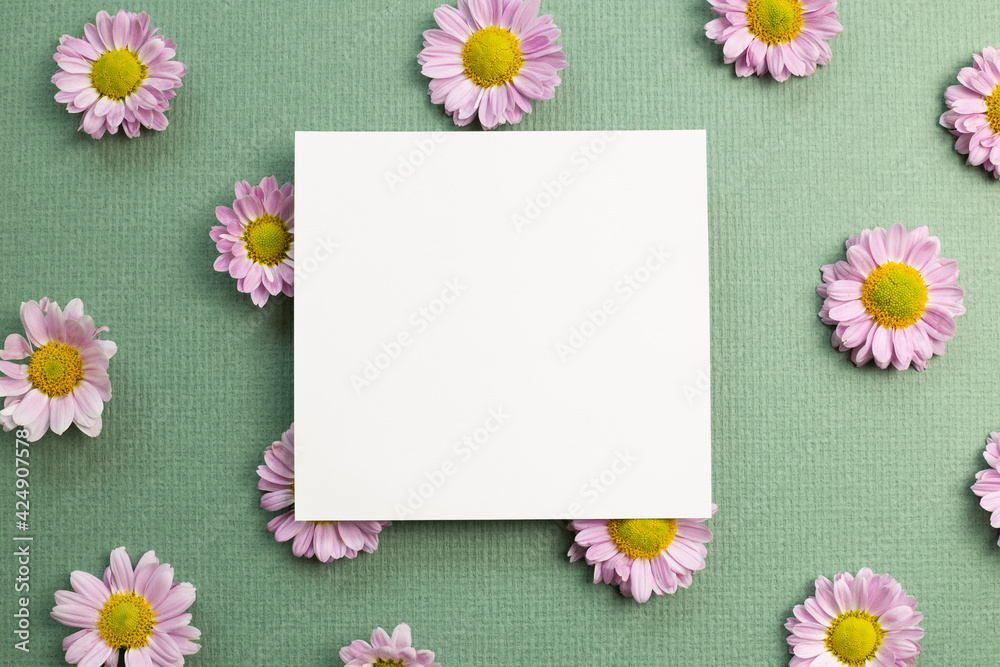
(31, 407)
(15, 348)
(122, 576)
(737, 43)
(159, 584)
(844, 290)
(860, 260)
(641, 580)
(88, 399)
(62, 410)
(877, 246)
(847, 311)
(10, 386)
(902, 348)
(882, 349)
(896, 243)
(452, 22)
(352, 536)
(138, 657)
(89, 586)
(34, 323)
(177, 601)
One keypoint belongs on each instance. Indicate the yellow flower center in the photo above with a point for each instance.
(267, 240)
(117, 74)
(774, 21)
(854, 637)
(126, 621)
(381, 662)
(642, 538)
(492, 56)
(55, 369)
(894, 295)
(993, 110)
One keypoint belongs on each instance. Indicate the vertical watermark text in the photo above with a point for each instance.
(22, 543)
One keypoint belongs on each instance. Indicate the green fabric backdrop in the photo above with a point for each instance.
(818, 467)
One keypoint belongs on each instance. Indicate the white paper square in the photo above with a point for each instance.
(439, 281)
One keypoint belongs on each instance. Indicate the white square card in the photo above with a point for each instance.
(501, 325)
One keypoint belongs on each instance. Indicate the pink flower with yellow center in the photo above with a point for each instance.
(386, 651)
(866, 620)
(894, 300)
(256, 241)
(121, 74)
(490, 59)
(974, 111)
(65, 380)
(642, 556)
(139, 612)
(783, 37)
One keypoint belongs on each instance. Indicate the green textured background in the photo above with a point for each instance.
(818, 467)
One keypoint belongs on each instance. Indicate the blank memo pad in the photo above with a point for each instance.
(501, 325)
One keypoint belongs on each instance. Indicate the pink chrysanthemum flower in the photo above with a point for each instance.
(138, 611)
(120, 75)
(491, 58)
(864, 620)
(66, 378)
(257, 239)
(642, 556)
(974, 111)
(783, 37)
(395, 651)
(894, 300)
(987, 484)
(326, 540)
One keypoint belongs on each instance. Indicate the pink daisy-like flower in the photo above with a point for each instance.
(138, 611)
(120, 75)
(257, 239)
(987, 484)
(66, 378)
(491, 58)
(395, 651)
(894, 300)
(974, 111)
(864, 620)
(783, 37)
(642, 556)
(326, 540)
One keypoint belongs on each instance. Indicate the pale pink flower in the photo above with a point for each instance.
(894, 300)
(120, 74)
(783, 37)
(66, 378)
(867, 620)
(491, 59)
(642, 556)
(974, 111)
(395, 651)
(987, 484)
(326, 540)
(256, 241)
(139, 611)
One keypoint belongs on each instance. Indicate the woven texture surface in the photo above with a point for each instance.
(818, 467)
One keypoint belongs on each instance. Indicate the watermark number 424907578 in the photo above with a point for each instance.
(22, 541)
